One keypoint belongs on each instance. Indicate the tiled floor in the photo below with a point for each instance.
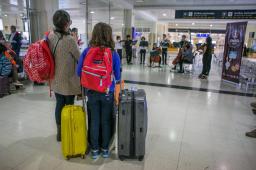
(187, 130)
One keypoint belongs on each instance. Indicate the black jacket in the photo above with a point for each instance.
(16, 43)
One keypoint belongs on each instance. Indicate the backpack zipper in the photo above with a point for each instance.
(95, 68)
(93, 74)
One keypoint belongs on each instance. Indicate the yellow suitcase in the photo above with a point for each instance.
(73, 131)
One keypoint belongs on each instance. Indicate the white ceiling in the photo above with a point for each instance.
(185, 4)
(151, 10)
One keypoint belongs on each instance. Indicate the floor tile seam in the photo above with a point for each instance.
(182, 137)
(173, 86)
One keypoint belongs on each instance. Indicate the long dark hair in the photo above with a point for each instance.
(60, 19)
(102, 36)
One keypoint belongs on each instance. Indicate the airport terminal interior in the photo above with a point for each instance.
(195, 120)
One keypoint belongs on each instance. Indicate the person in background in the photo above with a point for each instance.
(186, 56)
(155, 55)
(143, 49)
(2, 39)
(128, 49)
(101, 104)
(15, 40)
(164, 44)
(183, 41)
(207, 58)
(7, 53)
(74, 33)
(119, 47)
(65, 84)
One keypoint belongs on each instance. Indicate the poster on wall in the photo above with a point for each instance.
(233, 51)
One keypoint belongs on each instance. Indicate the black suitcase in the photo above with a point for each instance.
(132, 124)
(4, 86)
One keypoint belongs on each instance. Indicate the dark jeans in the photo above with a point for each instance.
(61, 101)
(129, 56)
(101, 109)
(120, 52)
(207, 61)
(142, 56)
(181, 65)
(164, 56)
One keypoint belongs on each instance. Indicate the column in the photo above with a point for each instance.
(40, 15)
(128, 22)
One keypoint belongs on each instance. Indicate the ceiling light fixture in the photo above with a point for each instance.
(193, 23)
(176, 24)
(122, 24)
(164, 14)
(92, 12)
(211, 25)
(112, 18)
(5, 15)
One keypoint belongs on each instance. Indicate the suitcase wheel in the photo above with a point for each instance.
(121, 158)
(82, 156)
(140, 158)
(68, 157)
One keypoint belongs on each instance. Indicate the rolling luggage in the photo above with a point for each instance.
(132, 124)
(73, 131)
(4, 86)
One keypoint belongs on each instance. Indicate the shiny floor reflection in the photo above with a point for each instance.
(187, 130)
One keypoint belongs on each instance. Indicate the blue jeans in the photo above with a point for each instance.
(101, 109)
(61, 101)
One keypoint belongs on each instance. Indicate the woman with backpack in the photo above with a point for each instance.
(65, 83)
(99, 69)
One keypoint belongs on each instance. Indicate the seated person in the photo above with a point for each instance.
(8, 65)
(186, 56)
(155, 55)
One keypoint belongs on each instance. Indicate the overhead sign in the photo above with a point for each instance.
(200, 35)
(215, 14)
(233, 51)
(197, 30)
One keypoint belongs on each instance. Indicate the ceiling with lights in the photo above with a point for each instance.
(162, 11)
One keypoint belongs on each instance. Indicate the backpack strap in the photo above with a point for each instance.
(54, 50)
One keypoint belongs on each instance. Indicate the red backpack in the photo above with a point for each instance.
(97, 70)
(39, 62)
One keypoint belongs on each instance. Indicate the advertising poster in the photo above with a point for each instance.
(233, 51)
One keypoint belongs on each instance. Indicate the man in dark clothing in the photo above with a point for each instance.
(164, 44)
(128, 48)
(183, 41)
(143, 49)
(15, 40)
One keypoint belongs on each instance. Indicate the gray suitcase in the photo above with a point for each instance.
(132, 124)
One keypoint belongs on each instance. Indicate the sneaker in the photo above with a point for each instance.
(203, 76)
(105, 153)
(95, 154)
(251, 134)
(17, 83)
(253, 104)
